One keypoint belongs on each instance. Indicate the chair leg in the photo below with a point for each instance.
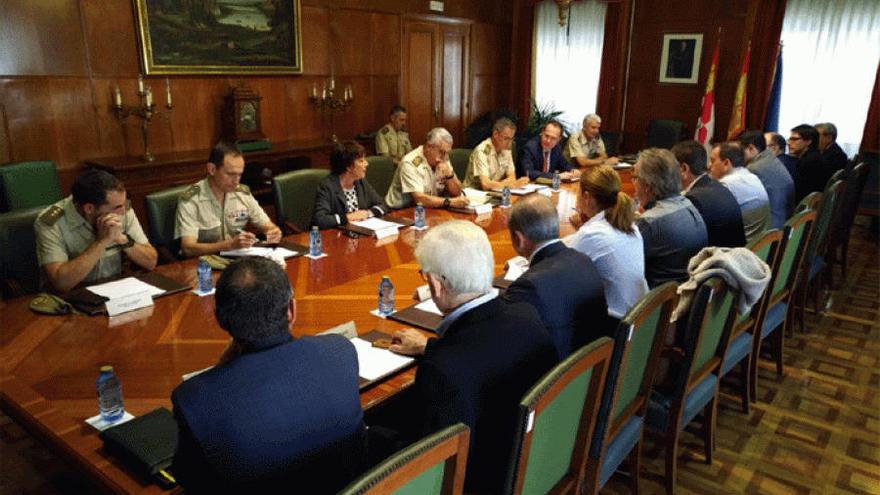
(634, 462)
(777, 350)
(844, 249)
(708, 430)
(753, 370)
(671, 459)
(745, 383)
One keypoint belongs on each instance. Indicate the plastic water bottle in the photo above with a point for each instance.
(315, 248)
(505, 196)
(204, 275)
(109, 395)
(419, 216)
(557, 181)
(386, 296)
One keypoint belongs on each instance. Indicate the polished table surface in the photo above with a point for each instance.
(50, 363)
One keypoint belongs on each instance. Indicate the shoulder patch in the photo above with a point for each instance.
(190, 191)
(487, 149)
(50, 216)
(417, 161)
(243, 188)
(386, 130)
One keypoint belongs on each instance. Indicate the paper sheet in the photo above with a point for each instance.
(516, 266)
(124, 287)
(374, 363)
(260, 251)
(376, 224)
(526, 189)
(429, 306)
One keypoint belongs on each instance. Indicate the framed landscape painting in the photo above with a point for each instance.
(680, 58)
(220, 36)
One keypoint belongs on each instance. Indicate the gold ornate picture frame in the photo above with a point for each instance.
(220, 36)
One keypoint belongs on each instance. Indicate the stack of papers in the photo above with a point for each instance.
(526, 189)
(516, 266)
(375, 363)
(429, 307)
(124, 287)
(266, 252)
(375, 224)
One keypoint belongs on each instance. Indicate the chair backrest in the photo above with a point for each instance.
(664, 133)
(825, 215)
(707, 332)
(836, 176)
(765, 247)
(855, 185)
(295, 197)
(434, 465)
(610, 139)
(637, 344)
(19, 269)
(556, 420)
(459, 158)
(380, 171)
(795, 235)
(161, 216)
(810, 202)
(28, 184)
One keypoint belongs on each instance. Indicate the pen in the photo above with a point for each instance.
(167, 476)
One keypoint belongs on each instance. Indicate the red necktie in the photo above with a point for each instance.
(546, 161)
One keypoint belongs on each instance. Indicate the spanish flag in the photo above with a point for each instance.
(738, 114)
(706, 122)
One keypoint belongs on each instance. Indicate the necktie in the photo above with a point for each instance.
(546, 161)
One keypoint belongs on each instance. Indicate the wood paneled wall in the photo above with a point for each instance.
(61, 59)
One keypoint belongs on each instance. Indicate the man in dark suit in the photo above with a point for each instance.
(276, 413)
(773, 175)
(487, 355)
(562, 284)
(833, 155)
(811, 172)
(716, 204)
(542, 155)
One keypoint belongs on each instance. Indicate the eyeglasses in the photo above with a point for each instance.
(794, 138)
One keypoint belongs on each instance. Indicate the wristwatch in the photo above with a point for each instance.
(446, 202)
(128, 244)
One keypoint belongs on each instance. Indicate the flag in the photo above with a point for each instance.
(771, 119)
(738, 114)
(706, 122)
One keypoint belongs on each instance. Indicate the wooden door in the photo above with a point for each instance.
(421, 84)
(435, 86)
(454, 85)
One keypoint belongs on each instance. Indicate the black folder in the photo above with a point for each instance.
(92, 304)
(417, 318)
(145, 444)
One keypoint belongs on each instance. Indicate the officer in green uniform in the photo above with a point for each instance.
(213, 213)
(425, 176)
(82, 237)
(490, 165)
(392, 140)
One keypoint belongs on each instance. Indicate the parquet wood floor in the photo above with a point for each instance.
(814, 431)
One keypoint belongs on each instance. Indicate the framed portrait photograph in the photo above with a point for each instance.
(220, 36)
(680, 58)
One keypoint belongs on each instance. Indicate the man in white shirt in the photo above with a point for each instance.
(727, 165)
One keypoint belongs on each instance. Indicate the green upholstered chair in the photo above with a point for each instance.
(434, 465)
(28, 184)
(664, 133)
(855, 185)
(694, 387)
(161, 216)
(380, 171)
(810, 280)
(745, 340)
(295, 197)
(556, 421)
(810, 202)
(19, 271)
(459, 158)
(638, 342)
(779, 314)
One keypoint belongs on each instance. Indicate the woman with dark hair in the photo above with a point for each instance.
(345, 195)
(607, 234)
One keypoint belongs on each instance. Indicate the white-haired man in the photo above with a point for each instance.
(425, 176)
(487, 354)
(586, 148)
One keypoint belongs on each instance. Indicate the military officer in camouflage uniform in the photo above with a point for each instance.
(425, 176)
(491, 164)
(213, 213)
(82, 237)
(392, 140)
(586, 148)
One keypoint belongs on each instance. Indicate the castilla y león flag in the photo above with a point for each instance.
(706, 122)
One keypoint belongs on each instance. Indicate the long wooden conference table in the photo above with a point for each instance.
(50, 363)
